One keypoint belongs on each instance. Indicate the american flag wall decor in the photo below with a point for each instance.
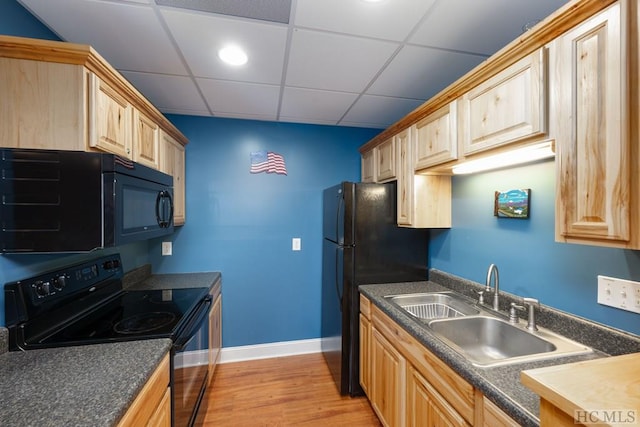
(267, 161)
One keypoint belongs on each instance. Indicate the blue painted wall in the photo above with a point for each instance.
(530, 263)
(15, 20)
(242, 224)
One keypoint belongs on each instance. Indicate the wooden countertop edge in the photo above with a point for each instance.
(550, 385)
(85, 55)
(550, 28)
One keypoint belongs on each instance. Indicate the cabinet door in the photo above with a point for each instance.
(162, 415)
(365, 354)
(435, 138)
(172, 162)
(492, 416)
(509, 107)
(425, 406)
(369, 166)
(386, 161)
(387, 381)
(146, 140)
(215, 335)
(589, 123)
(110, 116)
(404, 189)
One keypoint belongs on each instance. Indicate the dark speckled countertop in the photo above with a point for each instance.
(91, 385)
(501, 384)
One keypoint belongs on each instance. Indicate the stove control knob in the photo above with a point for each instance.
(42, 288)
(60, 282)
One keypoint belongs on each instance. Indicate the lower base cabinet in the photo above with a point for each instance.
(215, 328)
(152, 406)
(409, 386)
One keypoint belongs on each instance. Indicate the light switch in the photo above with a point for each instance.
(166, 248)
(296, 244)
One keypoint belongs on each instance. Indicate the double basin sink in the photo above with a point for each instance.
(480, 335)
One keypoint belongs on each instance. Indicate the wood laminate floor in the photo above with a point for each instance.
(283, 391)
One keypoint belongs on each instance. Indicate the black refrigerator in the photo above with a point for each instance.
(362, 244)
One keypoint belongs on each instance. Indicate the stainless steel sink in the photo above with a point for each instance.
(433, 305)
(489, 341)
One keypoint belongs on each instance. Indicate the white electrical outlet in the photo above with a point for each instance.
(619, 293)
(296, 244)
(166, 248)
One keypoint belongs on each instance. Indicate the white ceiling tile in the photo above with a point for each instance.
(200, 36)
(129, 36)
(380, 110)
(420, 72)
(168, 92)
(335, 62)
(480, 26)
(226, 97)
(315, 104)
(391, 20)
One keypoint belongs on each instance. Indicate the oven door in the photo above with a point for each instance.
(190, 366)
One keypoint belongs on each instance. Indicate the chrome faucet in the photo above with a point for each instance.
(493, 269)
(531, 302)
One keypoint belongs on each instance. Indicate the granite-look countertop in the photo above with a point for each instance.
(91, 385)
(139, 280)
(500, 384)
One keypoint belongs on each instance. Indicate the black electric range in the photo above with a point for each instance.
(86, 304)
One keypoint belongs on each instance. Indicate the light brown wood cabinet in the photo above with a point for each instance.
(368, 166)
(424, 201)
(172, 162)
(152, 406)
(435, 138)
(365, 343)
(65, 96)
(146, 140)
(409, 386)
(387, 380)
(386, 165)
(215, 329)
(509, 107)
(596, 197)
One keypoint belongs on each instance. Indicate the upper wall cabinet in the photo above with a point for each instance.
(172, 163)
(368, 164)
(110, 116)
(596, 202)
(509, 107)
(435, 137)
(386, 161)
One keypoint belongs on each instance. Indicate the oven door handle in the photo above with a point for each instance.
(195, 324)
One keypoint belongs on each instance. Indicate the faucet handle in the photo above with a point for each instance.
(481, 297)
(513, 316)
(531, 301)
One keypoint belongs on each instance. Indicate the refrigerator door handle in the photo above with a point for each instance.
(339, 233)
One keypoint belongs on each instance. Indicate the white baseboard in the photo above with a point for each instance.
(277, 349)
(259, 351)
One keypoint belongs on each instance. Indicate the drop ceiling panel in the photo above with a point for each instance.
(391, 20)
(420, 72)
(232, 99)
(480, 26)
(380, 111)
(174, 93)
(200, 36)
(335, 62)
(317, 105)
(129, 36)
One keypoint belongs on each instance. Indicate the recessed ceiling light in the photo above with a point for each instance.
(233, 55)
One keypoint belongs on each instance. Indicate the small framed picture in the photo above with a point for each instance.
(512, 203)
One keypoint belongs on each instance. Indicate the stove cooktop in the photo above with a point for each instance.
(132, 315)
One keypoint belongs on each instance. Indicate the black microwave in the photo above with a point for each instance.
(75, 201)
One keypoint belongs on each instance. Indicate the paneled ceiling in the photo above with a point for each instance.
(336, 62)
